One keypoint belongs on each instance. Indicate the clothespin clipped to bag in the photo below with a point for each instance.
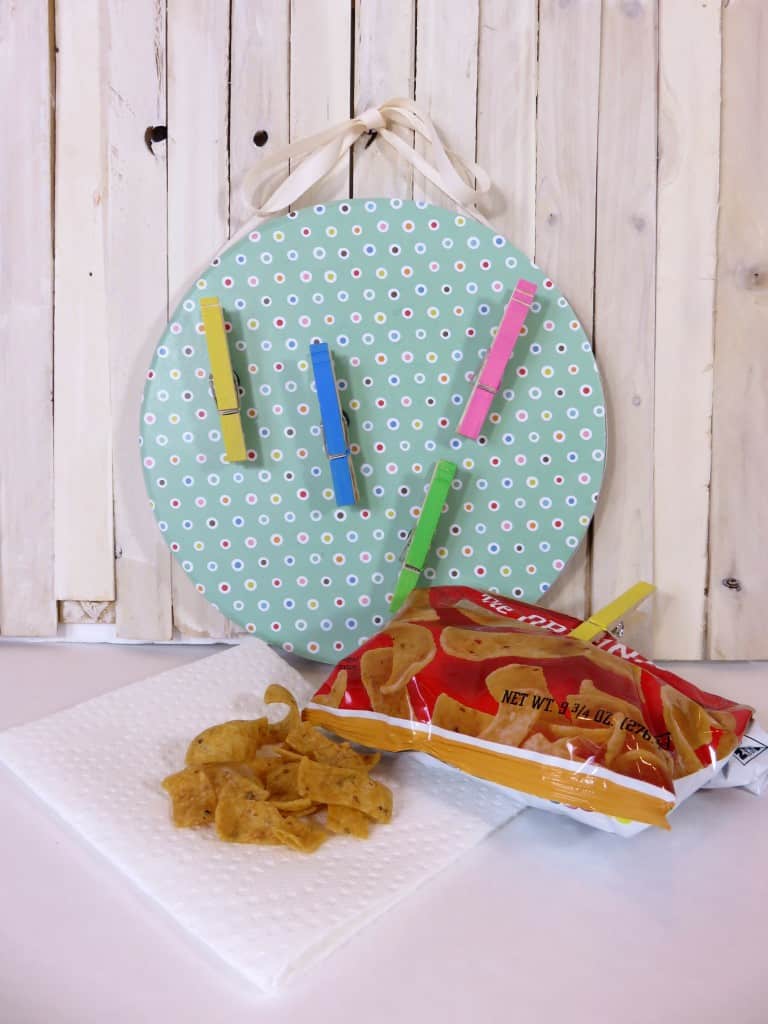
(602, 620)
(492, 371)
(223, 379)
(415, 554)
(335, 435)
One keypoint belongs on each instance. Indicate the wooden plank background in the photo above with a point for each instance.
(628, 145)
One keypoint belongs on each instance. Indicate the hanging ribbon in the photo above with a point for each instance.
(321, 153)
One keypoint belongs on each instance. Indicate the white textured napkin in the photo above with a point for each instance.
(267, 911)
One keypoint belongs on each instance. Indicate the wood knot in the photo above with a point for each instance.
(754, 277)
(155, 133)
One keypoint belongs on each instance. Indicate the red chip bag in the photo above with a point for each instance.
(498, 689)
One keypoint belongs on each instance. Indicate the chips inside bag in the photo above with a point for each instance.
(498, 689)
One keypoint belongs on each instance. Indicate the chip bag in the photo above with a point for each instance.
(498, 689)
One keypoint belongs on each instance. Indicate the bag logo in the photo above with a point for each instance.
(749, 749)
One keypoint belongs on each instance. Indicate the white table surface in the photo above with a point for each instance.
(546, 921)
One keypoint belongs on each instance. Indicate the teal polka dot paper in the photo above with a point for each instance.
(408, 296)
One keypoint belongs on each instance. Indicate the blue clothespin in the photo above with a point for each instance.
(334, 427)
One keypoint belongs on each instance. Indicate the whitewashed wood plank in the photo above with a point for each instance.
(566, 132)
(27, 605)
(622, 543)
(198, 161)
(384, 69)
(198, 195)
(83, 516)
(320, 80)
(136, 255)
(259, 100)
(446, 80)
(87, 613)
(260, 63)
(506, 116)
(689, 133)
(739, 529)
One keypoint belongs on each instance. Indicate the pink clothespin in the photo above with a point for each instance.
(492, 371)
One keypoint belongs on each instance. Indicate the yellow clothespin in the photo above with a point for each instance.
(602, 620)
(223, 379)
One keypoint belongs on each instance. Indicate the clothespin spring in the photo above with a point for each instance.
(225, 412)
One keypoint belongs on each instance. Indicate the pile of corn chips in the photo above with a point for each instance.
(284, 783)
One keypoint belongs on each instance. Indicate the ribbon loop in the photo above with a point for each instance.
(318, 154)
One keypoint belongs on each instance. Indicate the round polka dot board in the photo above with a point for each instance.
(408, 296)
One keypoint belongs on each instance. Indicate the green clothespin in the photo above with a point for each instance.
(421, 537)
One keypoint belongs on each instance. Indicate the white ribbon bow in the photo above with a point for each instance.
(321, 153)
